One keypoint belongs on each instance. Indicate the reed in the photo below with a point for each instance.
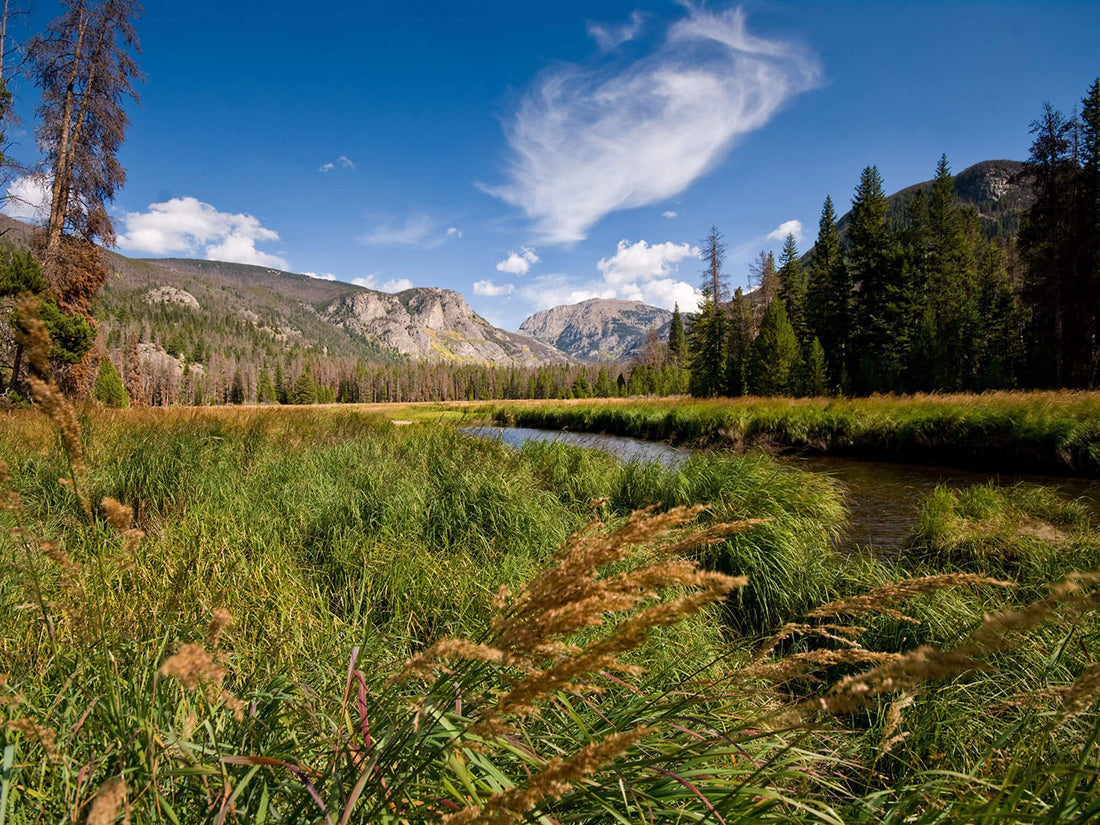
(313, 615)
(1055, 432)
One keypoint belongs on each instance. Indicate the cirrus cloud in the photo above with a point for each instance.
(416, 229)
(188, 226)
(586, 142)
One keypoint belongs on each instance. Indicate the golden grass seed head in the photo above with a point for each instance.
(112, 796)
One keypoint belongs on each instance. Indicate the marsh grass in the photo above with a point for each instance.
(1057, 432)
(298, 616)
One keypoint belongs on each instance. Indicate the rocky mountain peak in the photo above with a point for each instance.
(599, 329)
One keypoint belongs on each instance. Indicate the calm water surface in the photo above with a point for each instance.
(627, 449)
(882, 497)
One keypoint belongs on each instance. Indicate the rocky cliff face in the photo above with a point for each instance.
(436, 325)
(600, 329)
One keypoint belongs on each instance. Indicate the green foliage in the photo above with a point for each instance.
(108, 389)
(1055, 433)
(72, 335)
(829, 294)
(775, 367)
(20, 272)
(707, 348)
(356, 543)
(677, 340)
(1025, 533)
(793, 288)
(817, 380)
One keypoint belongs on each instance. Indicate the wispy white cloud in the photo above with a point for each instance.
(28, 199)
(519, 263)
(190, 227)
(786, 228)
(491, 290)
(669, 214)
(343, 161)
(417, 229)
(636, 272)
(391, 285)
(610, 36)
(327, 276)
(586, 142)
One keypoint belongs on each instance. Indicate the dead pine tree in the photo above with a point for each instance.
(84, 66)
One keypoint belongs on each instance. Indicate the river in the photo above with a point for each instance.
(882, 497)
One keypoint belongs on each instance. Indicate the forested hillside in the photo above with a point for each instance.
(983, 281)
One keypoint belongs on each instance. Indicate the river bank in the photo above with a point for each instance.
(1046, 433)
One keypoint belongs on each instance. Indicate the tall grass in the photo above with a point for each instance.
(1056, 432)
(297, 616)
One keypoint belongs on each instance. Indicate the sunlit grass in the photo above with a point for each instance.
(342, 544)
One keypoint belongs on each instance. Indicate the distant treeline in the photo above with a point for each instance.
(300, 381)
(925, 302)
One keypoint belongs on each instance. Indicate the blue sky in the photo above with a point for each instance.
(529, 154)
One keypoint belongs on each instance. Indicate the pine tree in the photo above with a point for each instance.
(792, 289)
(875, 269)
(816, 380)
(1089, 212)
(776, 363)
(677, 342)
(1047, 244)
(741, 336)
(763, 279)
(604, 387)
(108, 389)
(305, 389)
(951, 285)
(236, 388)
(707, 337)
(83, 65)
(829, 295)
(265, 389)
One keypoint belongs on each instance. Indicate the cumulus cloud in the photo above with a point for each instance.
(669, 214)
(519, 263)
(344, 161)
(391, 285)
(589, 141)
(610, 36)
(28, 199)
(417, 229)
(786, 228)
(188, 226)
(327, 276)
(636, 272)
(491, 290)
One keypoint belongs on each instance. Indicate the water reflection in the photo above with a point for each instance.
(882, 497)
(627, 449)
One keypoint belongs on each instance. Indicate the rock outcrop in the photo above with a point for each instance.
(435, 325)
(600, 329)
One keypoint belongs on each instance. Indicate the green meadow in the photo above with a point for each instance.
(316, 615)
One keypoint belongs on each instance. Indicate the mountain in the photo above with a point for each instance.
(436, 325)
(996, 189)
(194, 310)
(599, 329)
